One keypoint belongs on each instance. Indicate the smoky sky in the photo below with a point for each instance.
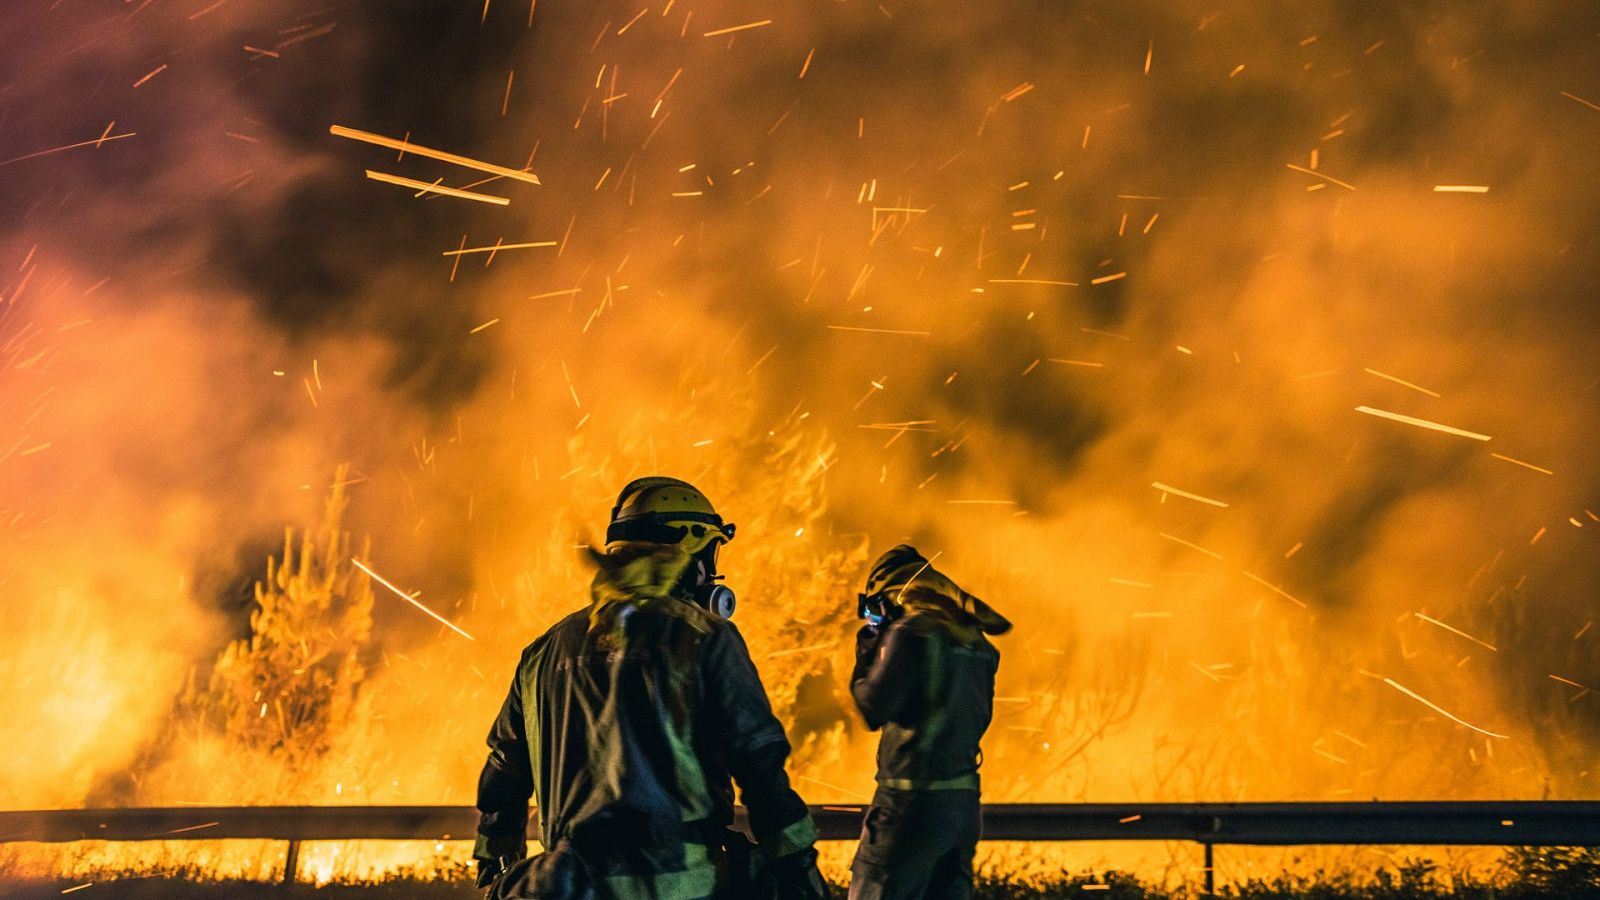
(1018, 261)
(303, 254)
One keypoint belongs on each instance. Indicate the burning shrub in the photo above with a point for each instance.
(285, 689)
(807, 599)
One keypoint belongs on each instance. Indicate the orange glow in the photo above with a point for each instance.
(1106, 382)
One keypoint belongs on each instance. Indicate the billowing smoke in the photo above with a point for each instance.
(1081, 297)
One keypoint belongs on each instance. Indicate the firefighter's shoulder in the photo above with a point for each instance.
(697, 618)
(918, 622)
(569, 626)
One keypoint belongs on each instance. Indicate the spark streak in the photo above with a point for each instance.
(1588, 103)
(153, 73)
(982, 502)
(192, 828)
(1179, 540)
(425, 187)
(914, 575)
(879, 330)
(1436, 708)
(811, 648)
(1421, 423)
(1169, 489)
(1017, 91)
(428, 152)
(497, 247)
(409, 599)
(96, 142)
(731, 29)
(1401, 382)
(1518, 462)
(1328, 178)
(1276, 590)
(1432, 621)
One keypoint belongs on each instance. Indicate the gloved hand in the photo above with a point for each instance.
(797, 877)
(867, 638)
(488, 871)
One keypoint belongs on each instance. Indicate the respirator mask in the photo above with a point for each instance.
(704, 586)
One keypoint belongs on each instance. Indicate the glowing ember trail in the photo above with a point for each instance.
(1440, 710)
(430, 153)
(1421, 423)
(96, 142)
(424, 187)
(1453, 630)
(409, 599)
(498, 247)
(1169, 489)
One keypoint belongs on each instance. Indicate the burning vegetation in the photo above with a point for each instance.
(285, 693)
(1246, 356)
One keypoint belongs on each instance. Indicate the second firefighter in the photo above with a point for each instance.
(924, 674)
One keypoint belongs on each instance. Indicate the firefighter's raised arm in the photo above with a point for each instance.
(888, 672)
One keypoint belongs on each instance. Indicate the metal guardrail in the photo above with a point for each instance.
(1468, 822)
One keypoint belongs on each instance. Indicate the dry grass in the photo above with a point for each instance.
(1527, 874)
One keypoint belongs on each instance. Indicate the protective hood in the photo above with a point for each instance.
(909, 580)
(639, 573)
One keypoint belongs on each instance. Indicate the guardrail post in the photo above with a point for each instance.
(291, 863)
(1211, 872)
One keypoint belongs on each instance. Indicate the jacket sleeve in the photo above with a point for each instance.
(888, 673)
(506, 782)
(753, 744)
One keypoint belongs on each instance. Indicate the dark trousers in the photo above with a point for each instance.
(917, 845)
(560, 874)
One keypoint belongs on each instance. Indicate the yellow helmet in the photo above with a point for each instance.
(664, 510)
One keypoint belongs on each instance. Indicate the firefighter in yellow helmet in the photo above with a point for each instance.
(629, 722)
(925, 675)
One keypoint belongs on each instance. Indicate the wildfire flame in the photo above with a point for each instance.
(1198, 340)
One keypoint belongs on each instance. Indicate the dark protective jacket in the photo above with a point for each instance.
(628, 722)
(931, 689)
